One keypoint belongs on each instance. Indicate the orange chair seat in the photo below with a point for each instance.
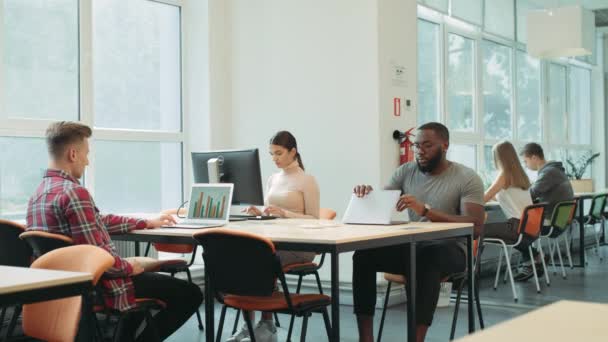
(300, 267)
(276, 302)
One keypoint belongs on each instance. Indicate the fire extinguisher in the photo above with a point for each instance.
(406, 152)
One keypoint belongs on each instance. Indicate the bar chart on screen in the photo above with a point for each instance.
(210, 204)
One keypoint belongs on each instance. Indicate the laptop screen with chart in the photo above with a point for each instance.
(210, 203)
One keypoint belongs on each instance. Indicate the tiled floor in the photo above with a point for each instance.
(589, 284)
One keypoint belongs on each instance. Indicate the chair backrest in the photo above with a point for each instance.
(57, 320)
(13, 251)
(44, 242)
(239, 263)
(598, 204)
(531, 222)
(327, 214)
(563, 213)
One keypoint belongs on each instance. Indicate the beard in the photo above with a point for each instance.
(431, 164)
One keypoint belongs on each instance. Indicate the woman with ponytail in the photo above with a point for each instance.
(290, 193)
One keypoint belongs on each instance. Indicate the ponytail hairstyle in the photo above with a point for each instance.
(288, 141)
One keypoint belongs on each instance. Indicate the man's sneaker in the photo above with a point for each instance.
(527, 272)
(265, 331)
(240, 335)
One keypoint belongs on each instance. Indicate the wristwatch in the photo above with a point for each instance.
(427, 207)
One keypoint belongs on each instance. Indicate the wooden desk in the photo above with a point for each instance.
(334, 238)
(22, 285)
(565, 321)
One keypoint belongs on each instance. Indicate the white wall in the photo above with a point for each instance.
(320, 69)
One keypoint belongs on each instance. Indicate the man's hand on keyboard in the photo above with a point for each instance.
(162, 220)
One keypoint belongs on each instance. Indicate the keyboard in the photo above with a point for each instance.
(192, 226)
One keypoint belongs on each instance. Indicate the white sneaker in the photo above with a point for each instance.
(265, 331)
(240, 335)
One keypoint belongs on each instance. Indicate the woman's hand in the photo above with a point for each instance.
(253, 211)
(274, 211)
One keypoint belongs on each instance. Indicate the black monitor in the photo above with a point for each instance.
(239, 167)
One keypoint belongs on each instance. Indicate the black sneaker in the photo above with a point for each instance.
(527, 272)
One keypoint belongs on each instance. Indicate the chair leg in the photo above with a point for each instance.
(304, 327)
(534, 269)
(508, 260)
(327, 323)
(551, 252)
(249, 325)
(147, 249)
(13, 323)
(509, 254)
(276, 320)
(456, 308)
(220, 327)
(319, 282)
(2, 315)
(597, 242)
(559, 255)
(198, 312)
(236, 321)
(293, 317)
(150, 323)
(386, 297)
(498, 268)
(542, 258)
(290, 330)
(478, 301)
(568, 251)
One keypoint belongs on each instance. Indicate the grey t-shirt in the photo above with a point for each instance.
(446, 192)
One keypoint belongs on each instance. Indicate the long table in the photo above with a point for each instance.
(330, 237)
(21, 285)
(565, 321)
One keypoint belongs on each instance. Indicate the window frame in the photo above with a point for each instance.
(35, 128)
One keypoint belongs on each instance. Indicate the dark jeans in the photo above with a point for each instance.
(181, 297)
(508, 232)
(433, 262)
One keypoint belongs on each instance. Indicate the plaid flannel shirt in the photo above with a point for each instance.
(62, 206)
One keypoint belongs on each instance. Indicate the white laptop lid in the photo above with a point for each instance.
(210, 203)
(377, 207)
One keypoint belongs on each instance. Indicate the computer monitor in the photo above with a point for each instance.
(240, 167)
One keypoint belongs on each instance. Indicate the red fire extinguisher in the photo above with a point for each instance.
(406, 152)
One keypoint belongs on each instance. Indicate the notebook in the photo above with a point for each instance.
(377, 207)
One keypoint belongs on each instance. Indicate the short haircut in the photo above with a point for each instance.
(438, 128)
(532, 149)
(63, 133)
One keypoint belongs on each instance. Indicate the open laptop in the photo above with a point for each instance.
(377, 207)
(209, 206)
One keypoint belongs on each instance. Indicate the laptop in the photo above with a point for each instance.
(377, 207)
(209, 206)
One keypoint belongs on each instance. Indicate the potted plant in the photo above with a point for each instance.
(575, 170)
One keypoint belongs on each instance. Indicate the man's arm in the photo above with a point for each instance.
(542, 185)
(120, 224)
(81, 214)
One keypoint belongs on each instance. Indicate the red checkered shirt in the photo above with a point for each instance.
(62, 206)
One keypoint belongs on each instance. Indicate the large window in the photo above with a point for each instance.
(580, 106)
(528, 98)
(136, 65)
(460, 83)
(117, 70)
(492, 90)
(428, 72)
(557, 103)
(39, 59)
(497, 92)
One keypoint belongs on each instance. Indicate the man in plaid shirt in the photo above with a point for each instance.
(62, 205)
